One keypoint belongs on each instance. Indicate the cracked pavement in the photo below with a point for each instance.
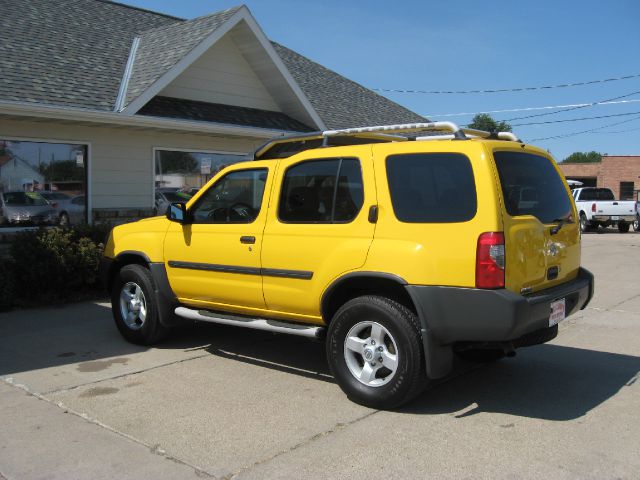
(77, 401)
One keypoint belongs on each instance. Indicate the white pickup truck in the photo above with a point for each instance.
(598, 207)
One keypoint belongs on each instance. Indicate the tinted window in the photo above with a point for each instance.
(592, 194)
(235, 198)
(432, 187)
(322, 191)
(531, 186)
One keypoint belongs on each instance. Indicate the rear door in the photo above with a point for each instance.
(535, 201)
(317, 227)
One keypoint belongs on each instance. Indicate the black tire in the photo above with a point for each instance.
(409, 378)
(480, 355)
(150, 331)
(636, 223)
(623, 227)
(585, 225)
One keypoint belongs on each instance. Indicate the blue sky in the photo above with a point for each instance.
(465, 45)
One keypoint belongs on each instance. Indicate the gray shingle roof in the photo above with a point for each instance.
(67, 52)
(216, 112)
(340, 102)
(161, 48)
(74, 52)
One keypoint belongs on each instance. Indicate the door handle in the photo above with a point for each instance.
(247, 239)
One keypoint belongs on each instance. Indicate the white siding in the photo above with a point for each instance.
(121, 158)
(222, 75)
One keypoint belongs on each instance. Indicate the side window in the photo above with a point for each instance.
(432, 187)
(322, 191)
(235, 198)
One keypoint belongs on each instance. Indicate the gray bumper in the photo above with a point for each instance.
(453, 314)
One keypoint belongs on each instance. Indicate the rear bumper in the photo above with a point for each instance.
(450, 314)
(614, 218)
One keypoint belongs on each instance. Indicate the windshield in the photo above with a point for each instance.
(532, 186)
(596, 194)
(31, 199)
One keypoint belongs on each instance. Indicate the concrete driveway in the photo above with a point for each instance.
(76, 401)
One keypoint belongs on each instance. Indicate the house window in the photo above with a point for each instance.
(42, 183)
(187, 171)
(626, 190)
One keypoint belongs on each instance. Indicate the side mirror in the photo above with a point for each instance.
(177, 212)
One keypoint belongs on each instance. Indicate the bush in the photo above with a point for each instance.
(51, 266)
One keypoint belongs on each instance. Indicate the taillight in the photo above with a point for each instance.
(490, 260)
(593, 207)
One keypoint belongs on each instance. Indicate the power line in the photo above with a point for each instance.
(608, 100)
(502, 90)
(574, 119)
(528, 109)
(584, 131)
(620, 131)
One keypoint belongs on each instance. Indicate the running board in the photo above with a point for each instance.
(254, 323)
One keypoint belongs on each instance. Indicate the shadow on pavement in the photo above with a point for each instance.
(284, 353)
(549, 382)
(42, 338)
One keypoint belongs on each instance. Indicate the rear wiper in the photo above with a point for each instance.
(561, 222)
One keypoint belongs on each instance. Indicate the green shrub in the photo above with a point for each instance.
(53, 265)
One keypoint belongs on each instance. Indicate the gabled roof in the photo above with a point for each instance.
(74, 53)
(161, 48)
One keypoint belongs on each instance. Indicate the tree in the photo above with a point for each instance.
(168, 161)
(484, 121)
(61, 171)
(583, 157)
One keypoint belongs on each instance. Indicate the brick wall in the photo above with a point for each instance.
(610, 172)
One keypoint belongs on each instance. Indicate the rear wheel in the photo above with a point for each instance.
(585, 225)
(623, 227)
(64, 219)
(374, 350)
(134, 306)
(636, 223)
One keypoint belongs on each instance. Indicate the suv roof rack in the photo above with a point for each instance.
(286, 146)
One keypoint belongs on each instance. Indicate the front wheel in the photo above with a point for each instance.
(134, 306)
(374, 350)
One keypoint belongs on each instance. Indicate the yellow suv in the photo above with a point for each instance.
(402, 251)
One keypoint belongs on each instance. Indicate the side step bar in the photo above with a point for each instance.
(254, 323)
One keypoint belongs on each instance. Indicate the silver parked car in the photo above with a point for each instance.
(70, 209)
(19, 208)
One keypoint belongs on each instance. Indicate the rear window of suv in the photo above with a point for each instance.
(432, 187)
(532, 186)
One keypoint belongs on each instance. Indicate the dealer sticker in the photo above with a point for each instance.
(557, 312)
